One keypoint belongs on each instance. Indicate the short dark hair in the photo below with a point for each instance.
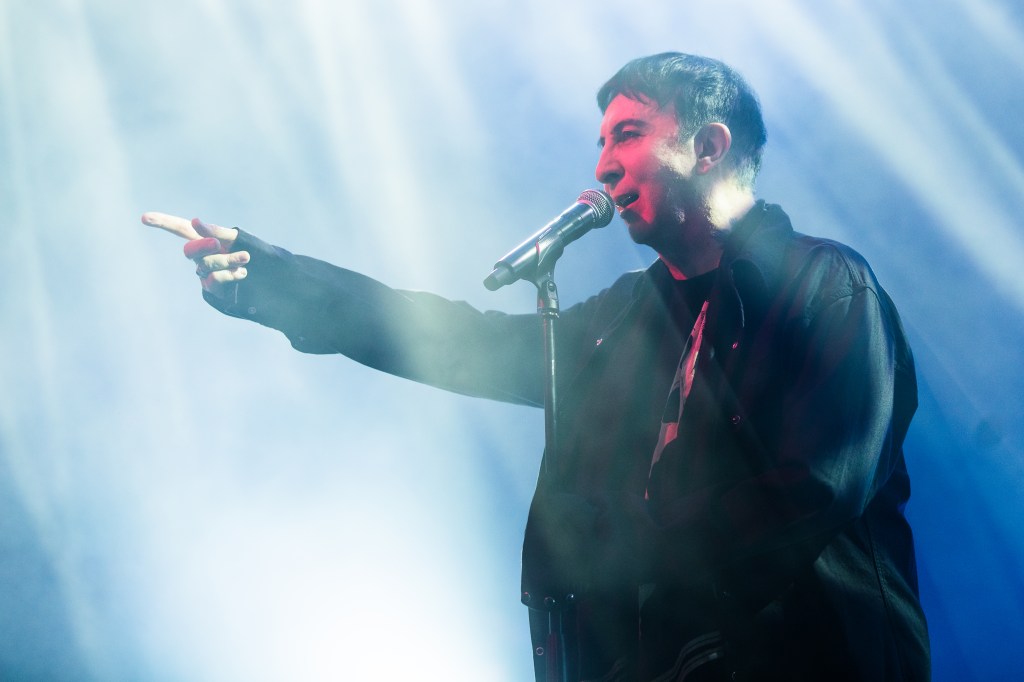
(703, 91)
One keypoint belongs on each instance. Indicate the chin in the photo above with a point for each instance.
(641, 233)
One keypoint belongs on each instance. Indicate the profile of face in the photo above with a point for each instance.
(647, 169)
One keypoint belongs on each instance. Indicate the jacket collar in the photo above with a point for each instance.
(752, 263)
(752, 258)
(748, 272)
(755, 250)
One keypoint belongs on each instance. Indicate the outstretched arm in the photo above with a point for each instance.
(323, 308)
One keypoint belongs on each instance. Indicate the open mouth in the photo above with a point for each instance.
(624, 200)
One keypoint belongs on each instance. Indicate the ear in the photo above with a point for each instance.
(710, 145)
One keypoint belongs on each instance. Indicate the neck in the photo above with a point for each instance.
(703, 234)
(727, 203)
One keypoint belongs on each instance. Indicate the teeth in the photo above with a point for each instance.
(626, 199)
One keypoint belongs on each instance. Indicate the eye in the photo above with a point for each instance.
(626, 134)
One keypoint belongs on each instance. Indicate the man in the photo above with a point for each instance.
(727, 498)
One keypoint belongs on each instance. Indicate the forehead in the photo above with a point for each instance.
(624, 109)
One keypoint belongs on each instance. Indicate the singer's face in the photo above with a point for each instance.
(647, 170)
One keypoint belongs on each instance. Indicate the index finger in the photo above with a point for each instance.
(172, 223)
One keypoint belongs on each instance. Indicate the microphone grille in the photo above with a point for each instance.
(601, 203)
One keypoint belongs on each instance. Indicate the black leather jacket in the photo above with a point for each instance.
(775, 520)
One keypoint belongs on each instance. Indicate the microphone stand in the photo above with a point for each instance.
(552, 617)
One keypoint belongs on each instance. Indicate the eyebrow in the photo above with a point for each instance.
(638, 122)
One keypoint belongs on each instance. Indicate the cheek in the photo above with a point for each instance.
(674, 158)
(646, 174)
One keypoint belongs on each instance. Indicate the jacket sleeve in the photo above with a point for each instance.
(322, 308)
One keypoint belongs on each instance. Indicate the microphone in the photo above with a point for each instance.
(593, 209)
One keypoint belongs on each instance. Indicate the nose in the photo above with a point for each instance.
(609, 170)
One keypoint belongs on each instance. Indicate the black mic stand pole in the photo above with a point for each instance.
(552, 617)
